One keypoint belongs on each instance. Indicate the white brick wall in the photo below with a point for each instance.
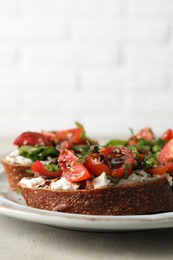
(106, 63)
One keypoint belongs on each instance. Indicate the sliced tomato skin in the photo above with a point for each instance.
(64, 145)
(50, 135)
(159, 170)
(71, 169)
(96, 167)
(39, 168)
(31, 138)
(167, 135)
(170, 167)
(133, 140)
(146, 133)
(118, 173)
(73, 136)
(166, 154)
(114, 152)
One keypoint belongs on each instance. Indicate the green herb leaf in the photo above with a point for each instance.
(53, 167)
(89, 149)
(115, 142)
(156, 148)
(83, 129)
(113, 179)
(131, 131)
(143, 145)
(153, 146)
(127, 166)
(150, 161)
(30, 171)
(81, 149)
(38, 153)
(134, 150)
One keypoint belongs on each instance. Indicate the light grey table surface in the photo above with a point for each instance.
(23, 240)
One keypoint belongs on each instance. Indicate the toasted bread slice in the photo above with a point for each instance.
(133, 199)
(15, 172)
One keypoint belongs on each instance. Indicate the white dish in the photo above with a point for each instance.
(13, 205)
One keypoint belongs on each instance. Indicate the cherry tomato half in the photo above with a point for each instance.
(168, 135)
(133, 140)
(146, 133)
(114, 160)
(71, 169)
(74, 136)
(119, 159)
(160, 170)
(95, 166)
(31, 138)
(39, 168)
(166, 154)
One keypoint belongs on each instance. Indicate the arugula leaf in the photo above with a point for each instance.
(38, 153)
(115, 142)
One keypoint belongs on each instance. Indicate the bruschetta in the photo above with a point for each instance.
(133, 178)
(44, 146)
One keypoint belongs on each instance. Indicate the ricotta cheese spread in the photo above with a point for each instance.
(170, 180)
(101, 181)
(14, 157)
(63, 184)
(32, 182)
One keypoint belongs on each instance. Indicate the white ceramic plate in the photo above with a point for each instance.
(13, 205)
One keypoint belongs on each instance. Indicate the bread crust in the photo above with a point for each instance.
(134, 199)
(15, 172)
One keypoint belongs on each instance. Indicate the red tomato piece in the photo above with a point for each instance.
(133, 140)
(119, 160)
(39, 168)
(74, 136)
(168, 135)
(170, 166)
(31, 138)
(166, 154)
(64, 145)
(160, 170)
(95, 166)
(49, 135)
(146, 133)
(72, 170)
